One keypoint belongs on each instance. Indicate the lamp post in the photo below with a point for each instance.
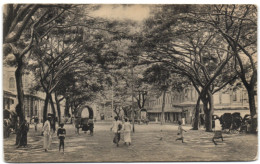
(112, 104)
(132, 89)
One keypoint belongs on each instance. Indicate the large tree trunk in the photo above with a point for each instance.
(20, 108)
(45, 108)
(208, 111)
(54, 112)
(67, 108)
(251, 98)
(163, 106)
(196, 116)
(58, 108)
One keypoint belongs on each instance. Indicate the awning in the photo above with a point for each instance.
(185, 104)
(9, 94)
(166, 110)
(230, 108)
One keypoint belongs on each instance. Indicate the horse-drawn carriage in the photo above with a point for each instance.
(84, 120)
(246, 123)
(10, 119)
(231, 122)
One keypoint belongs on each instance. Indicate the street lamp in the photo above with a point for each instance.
(112, 104)
(132, 73)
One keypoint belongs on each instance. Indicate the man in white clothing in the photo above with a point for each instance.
(46, 132)
(218, 131)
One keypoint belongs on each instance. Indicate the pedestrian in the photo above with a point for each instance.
(6, 128)
(61, 133)
(77, 125)
(36, 121)
(127, 132)
(52, 130)
(46, 132)
(180, 132)
(24, 129)
(17, 131)
(116, 128)
(218, 131)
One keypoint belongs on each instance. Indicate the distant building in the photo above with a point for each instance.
(182, 104)
(33, 103)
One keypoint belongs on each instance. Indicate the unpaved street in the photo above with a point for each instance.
(147, 145)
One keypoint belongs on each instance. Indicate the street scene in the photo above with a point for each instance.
(147, 145)
(129, 83)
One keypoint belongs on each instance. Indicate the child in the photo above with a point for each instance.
(218, 131)
(127, 132)
(61, 134)
(180, 132)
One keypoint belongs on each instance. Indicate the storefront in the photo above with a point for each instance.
(9, 101)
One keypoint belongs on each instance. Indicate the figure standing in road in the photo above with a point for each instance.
(24, 130)
(77, 125)
(36, 121)
(52, 130)
(180, 132)
(61, 133)
(116, 128)
(127, 132)
(46, 132)
(218, 131)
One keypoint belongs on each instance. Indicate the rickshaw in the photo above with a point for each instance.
(85, 119)
(245, 124)
(226, 121)
(231, 121)
(236, 121)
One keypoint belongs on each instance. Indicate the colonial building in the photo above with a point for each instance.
(33, 103)
(182, 104)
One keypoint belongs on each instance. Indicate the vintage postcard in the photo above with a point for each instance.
(129, 83)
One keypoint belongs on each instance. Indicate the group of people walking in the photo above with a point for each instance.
(119, 127)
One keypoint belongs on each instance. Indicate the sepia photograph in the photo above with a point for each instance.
(129, 82)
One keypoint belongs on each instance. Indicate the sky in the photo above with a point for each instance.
(122, 12)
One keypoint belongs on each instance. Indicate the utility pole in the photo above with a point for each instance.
(112, 104)
(132, 73)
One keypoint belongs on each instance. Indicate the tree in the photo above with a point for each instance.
(159, 76)
(21, 23)
(192, 50)
(237, 25)
(55, 54)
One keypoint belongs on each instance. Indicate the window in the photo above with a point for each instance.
(35, 110)
(186, 94)
(220, 98)
(245, 97)
(234, 96)
(11, 82)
